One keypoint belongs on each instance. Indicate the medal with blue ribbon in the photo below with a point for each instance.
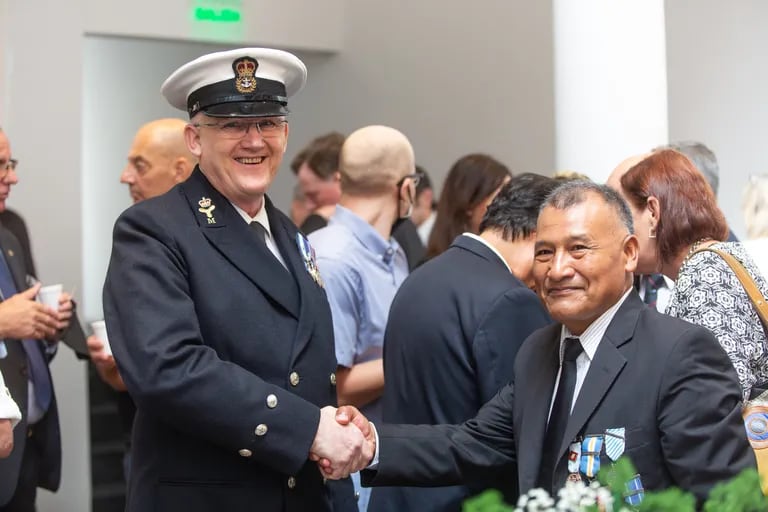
(614, 443)
(590, 455)
(308, 256)
(635, 491)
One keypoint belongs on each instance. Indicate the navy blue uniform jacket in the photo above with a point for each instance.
(228, 356)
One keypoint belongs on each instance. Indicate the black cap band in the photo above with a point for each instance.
(268, 93)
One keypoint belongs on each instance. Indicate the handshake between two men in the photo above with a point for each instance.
(345, 442)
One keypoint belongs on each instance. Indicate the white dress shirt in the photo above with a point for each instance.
(488, 245)
(262, 219)
(8, 408)
(590, 340)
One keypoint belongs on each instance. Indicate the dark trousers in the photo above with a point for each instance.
(26, 489)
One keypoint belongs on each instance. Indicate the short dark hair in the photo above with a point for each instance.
(515, 209)
(321, 155)
(424, 182)
(571, 193)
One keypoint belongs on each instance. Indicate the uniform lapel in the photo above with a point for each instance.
(538, 396)
(282, 231)
(605, 367)
(233, 238)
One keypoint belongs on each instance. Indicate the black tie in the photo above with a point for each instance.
(561, 411)
(261, 232)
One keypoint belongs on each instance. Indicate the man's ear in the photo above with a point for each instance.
(631, 251)
(192, 138)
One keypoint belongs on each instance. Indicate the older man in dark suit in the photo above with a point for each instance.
(216, 313)
(454, 330)
(28, 341)
(613, 378)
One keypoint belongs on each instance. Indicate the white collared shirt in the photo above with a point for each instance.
(590, 340)
(488, 245)
(8, 408)
(262, 219)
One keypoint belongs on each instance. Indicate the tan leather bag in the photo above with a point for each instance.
(755, 412)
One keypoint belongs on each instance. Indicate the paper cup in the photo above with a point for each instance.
(49, 295)
(100, 331)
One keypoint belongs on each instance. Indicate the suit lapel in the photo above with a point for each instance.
(605, 367)
(14, 259)
(538, 396)
(233, 238)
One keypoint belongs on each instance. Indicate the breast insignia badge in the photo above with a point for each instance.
(207, 208)
(308, 256)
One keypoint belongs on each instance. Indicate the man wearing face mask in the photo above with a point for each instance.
(361, 263)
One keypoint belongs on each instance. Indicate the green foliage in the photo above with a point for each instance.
(740, 494)
(489, 501)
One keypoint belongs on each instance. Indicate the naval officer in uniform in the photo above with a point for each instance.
(216, 312)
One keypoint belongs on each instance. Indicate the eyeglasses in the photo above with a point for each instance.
(415, 177)
(267, 128)
(6, 167)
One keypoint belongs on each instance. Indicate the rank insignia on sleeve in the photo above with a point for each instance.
(308, 257)
(207, 208)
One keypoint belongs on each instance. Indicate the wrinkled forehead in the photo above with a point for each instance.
(591, 219)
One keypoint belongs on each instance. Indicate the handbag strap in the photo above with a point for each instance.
(758, 301)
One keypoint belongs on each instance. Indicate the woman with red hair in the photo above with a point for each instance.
(675, 214)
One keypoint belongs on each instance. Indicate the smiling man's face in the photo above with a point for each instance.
(584, 257)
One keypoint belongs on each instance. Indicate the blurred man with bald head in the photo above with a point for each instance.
(158, 160)
(361, 263)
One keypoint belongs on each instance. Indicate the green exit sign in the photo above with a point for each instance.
(214, 15)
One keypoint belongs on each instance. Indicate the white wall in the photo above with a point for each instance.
(718, 88)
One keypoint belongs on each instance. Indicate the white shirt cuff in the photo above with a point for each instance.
(8, 408)
(375, 461)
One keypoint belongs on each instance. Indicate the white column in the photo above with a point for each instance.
(610, 82)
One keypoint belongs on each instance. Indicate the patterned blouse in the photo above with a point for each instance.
(708, 293)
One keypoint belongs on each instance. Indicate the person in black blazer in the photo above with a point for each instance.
(216, 313)
(454, 330)
(657, 389)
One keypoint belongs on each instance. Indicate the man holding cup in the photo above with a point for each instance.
(29, 331)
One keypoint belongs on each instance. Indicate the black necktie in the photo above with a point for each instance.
(561, 411)
(652, 284)
(261, 232)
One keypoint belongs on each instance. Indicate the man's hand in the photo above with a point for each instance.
(6, 438)
(105, 364)
(21, 317)
(341, 449)
(64, 314)
(345, 416)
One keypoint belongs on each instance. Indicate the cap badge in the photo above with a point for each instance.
(207, 207)
(245, 74)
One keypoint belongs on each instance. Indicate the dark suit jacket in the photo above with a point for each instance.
(454, 329)
(667, 382)
(15, 373)
(228, 356)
